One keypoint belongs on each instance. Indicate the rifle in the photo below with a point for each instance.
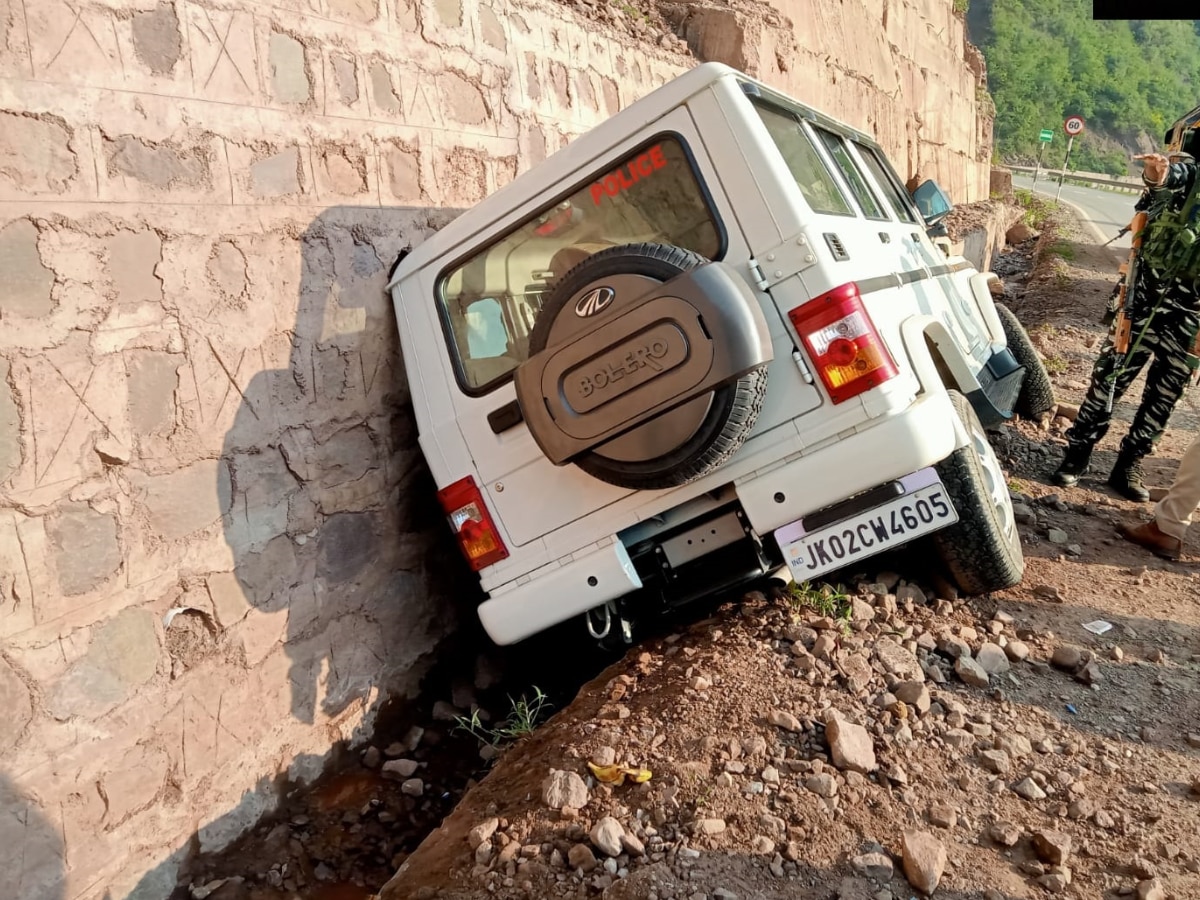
(1122, 323)
(1120, 234)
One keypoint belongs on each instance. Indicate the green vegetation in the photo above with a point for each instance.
(524, 716)
(1062, 249)
(1048, 59)
(823, 599)
(1037, 208)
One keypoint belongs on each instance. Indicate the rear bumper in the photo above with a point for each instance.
(558, 592)
(884, 450)
(925, 433)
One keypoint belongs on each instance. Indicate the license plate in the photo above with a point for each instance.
(924, 507)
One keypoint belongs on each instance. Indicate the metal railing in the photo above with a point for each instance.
(1115, 182)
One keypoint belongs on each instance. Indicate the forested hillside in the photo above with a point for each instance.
(1048, 59)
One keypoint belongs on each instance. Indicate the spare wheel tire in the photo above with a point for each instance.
(684, 443)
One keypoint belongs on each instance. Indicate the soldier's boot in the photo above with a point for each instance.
(1074, 464)
(1126, 477)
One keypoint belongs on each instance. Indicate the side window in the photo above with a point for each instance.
(818, 186)
(490, 301)
(888, 182)
(872, 208)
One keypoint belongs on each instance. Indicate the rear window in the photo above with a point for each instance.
(491, 300)
(818, 186)
(888, 182)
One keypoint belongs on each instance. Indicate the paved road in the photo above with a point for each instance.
(1106, 211)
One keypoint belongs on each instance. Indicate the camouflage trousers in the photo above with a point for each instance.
(1166, 343)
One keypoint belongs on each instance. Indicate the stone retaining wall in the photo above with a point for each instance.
(219, 547)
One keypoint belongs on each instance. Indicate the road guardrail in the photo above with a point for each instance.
(1111, 182)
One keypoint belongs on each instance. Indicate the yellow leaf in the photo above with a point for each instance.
(607, 774)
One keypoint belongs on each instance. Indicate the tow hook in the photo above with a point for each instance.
(600, 619)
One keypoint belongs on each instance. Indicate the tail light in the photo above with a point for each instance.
(840, 337)
(472, 524)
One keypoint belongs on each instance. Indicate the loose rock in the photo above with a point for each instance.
(709, 826)
(971, 672)
(606, 836)
(850, 746)
(1052, 846)
(1005, 834)
(482, 833)
(1066, 658)
(784, 720)
(562, 789)
(1151, 890)
(399, 768)
(992, 658)
(1028, 788)
(581, 857)
(924, 860)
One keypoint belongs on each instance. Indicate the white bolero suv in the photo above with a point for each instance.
(709, 339)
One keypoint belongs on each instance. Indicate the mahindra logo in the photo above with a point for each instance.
(594, 301)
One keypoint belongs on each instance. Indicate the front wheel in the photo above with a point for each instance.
(1037, 391)
(982, 549)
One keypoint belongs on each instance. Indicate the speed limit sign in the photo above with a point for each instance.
(1073, 126)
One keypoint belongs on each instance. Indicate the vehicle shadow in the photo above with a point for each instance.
(340, 550)
(32, 856)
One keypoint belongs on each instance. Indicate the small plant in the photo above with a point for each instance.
(1015, 486)
(1037, 210)
(1063, 250)
(524, 716)
(823, 599)
(1055, 365)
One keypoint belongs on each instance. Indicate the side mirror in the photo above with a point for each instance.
(932, 202)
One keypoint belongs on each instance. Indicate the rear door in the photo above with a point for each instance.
(658, 186)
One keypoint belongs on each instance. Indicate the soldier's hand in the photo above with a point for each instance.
(1156, 166)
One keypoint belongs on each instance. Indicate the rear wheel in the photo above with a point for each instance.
(983, 549)
(684, 443)
(1037, 392)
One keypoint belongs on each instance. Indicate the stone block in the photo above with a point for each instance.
(156, 39)
(85, 548)
(137, 326)
(132, 259)
(35, 154)
(186, 500)
(227, 269)
(223, 47)
(15, 707)
(28, 282)
(160, 165)
(345, 78)
(383, 92)
(450, 12)
(259, 633)
(229, 600)
(20, 573)
(343, 170)
(259, 512)
(404, 172)
(31, 844)
(290, 82)
(355, 10)
(461, 174)
(10, 427)
(266, 575)
(133, 783)
(277, 175)
(123, 655)
(347, 544)
(153, 378)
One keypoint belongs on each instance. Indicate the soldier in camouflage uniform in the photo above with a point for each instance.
(1167, 320)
